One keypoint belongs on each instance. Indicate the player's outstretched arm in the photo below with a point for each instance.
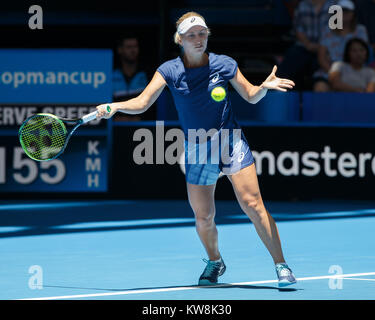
(138, 104)
(252, 93)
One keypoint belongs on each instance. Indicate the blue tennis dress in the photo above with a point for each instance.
(214, 141)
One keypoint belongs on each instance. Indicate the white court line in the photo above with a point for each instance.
(359, 279)
(118, 293)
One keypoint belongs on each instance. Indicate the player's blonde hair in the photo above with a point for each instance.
(189, 14)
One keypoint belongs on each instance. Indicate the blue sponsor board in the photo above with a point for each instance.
(55, 75)
(65, 82)
(81, 168)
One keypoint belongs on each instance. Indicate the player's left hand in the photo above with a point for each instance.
(273, 82)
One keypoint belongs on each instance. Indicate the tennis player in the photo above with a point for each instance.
(191, 77)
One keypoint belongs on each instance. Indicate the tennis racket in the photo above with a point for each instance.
(44, 136)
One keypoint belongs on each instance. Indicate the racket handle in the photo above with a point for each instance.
(89, 117)
(92, 115)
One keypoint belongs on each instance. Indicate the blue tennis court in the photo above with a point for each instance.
(149, 250)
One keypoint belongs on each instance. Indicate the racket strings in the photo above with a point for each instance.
(43, 137)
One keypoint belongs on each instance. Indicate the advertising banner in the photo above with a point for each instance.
(55, 75)
(296, 162)
(68, 83)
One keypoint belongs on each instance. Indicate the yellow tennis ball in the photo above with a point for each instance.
(218, 94)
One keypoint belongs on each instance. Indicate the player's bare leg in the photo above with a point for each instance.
(201, 199)
(246, 188)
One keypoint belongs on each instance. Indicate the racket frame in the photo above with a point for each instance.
(63, 121)
(77, 122)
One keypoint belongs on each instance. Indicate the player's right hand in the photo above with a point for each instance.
(105, 111)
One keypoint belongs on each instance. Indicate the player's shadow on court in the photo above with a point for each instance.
(248, 286)
(217, 286)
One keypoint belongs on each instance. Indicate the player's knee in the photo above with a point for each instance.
(204, 219)
(253, 204)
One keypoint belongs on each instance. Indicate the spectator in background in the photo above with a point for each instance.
(310, 20)
(352, 75)
(332, 44)
(128, 79)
